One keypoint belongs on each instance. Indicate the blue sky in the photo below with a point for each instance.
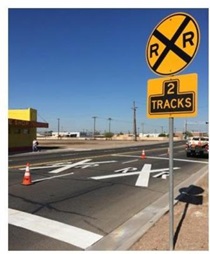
(74, 64)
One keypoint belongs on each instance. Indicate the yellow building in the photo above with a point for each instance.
(22, 128)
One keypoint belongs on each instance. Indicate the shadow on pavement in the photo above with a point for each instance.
(40, 148)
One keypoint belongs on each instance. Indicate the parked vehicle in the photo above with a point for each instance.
(197, 146)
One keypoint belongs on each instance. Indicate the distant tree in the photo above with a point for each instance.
(121, 133)
(187, 134)
(108, 135)
(162, 135)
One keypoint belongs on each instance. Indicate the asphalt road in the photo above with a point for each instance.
(78, 200)
(55, 153)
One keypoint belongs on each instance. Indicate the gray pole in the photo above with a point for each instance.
(134, 121)
(94, 127)
(109, 124)
(171, 184)
(207, 127)
(142, 128)
(58, 127)
(186, 128)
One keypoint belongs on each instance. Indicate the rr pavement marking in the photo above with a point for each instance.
(129, 173)
(143, 178)
(69, 166)
(54, 229)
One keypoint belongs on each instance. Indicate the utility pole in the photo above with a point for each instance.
(185, 129)
(207, 128)
(142, 129)
(186, 126)
(110, 119)
(94, 126)
(58, 127)
(134, 121)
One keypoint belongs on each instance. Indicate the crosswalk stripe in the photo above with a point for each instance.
(54, 229)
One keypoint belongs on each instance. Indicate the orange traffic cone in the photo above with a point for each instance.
(143, 156)
(27, 176)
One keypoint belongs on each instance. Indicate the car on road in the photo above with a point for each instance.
(197, 146)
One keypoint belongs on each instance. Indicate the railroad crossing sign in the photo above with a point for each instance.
(173, 44)
(172, 97)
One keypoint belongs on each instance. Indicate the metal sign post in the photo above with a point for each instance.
(171, 47)
(171, 184)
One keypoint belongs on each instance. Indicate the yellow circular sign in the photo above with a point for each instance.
(173, 44)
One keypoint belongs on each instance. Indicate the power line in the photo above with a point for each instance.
(42, 118)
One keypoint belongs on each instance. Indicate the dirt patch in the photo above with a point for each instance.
(190, 226)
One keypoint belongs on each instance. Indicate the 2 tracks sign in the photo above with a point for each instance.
(172, 97)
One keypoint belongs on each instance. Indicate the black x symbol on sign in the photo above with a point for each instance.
(168, 55)
(170, 44)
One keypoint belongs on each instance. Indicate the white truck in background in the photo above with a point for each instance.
(197, 146)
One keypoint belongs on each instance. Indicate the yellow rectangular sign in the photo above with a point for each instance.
(174, 96)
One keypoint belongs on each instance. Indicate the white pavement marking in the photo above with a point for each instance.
(163, 154)
(163, 169)
(40, 167)
(69, 166)
(194, 161)
(162, 174)
(129, 161)
(125, 170)
(161, 158)
(64, 166)
(102, 162)
(124, 155)
(51, 177)
(114, 175)
(54, 229)
(129, 173)
(144, 175)
(94, 164)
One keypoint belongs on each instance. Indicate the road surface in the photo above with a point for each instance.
(88, 200)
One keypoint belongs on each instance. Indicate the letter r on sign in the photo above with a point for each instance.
(188, 37)
(154, 49)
